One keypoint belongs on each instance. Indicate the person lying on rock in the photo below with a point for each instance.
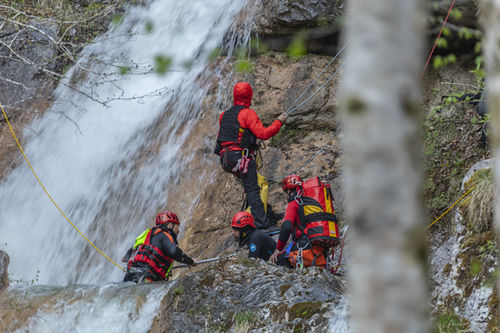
(240, 127)
(300, 252)
(151, 258)
(260, 244)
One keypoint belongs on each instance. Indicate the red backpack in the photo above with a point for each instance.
(317, 215)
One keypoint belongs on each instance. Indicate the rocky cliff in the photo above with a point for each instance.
(310, 145)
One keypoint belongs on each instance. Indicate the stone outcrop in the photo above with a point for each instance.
(246, 295)
(280, 21)
(4, 274)
(463, 269)
(22, 66)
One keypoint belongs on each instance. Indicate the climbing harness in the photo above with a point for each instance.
(49, 196)
(300, 258)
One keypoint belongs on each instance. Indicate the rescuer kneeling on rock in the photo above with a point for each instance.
(260, 244)
(240, 127)
(151, 258)
(311, 222)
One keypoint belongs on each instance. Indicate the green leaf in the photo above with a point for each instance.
(244, 66)
(258, 45)
(214, 54)
(478, 47)
(438, 62)
(446, 32)
(149, 26)
(456, 13)
(298, 46)
(451, 58)
(442, 43)
(162, 64)
(123, 69)
(117, 20)
(475, 266)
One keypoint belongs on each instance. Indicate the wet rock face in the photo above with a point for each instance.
(309, 141)
(242, 295)
(279, 21)
(285, 16)
(457, 284)
(4, 276)
(32, 49)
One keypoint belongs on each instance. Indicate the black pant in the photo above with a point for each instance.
(228, 160)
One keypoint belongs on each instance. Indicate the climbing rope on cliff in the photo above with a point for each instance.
(315, 79)
(48, 195)
(456, 202)
(294, 108)
(438, 36)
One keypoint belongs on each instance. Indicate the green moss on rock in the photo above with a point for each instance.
(304, 310)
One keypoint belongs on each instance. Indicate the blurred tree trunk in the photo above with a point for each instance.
(381, 124)
(490, 12)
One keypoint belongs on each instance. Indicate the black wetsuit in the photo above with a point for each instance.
(170, 249)
(260, 244)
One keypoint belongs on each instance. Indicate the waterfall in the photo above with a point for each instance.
(82, 308)
(111, 147)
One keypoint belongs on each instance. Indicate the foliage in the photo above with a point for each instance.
(478, 206)
(452, 144)
(244, 321)
(297, 47)
(162, 63)
(449, 322)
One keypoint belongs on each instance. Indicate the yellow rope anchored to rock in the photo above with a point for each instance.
(456, 202)
(46, 192)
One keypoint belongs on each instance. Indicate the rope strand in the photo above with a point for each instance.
(49, 196)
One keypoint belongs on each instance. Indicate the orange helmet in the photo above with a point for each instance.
(242, 219)
(291, 182)
(166, 217)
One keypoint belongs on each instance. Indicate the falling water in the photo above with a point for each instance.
(110, 151)
(111, 146)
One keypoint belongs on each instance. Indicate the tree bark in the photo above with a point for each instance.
(490, 12)
(381, 124)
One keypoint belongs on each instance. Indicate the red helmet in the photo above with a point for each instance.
(291, 182)
(242, 219)
(166, 217)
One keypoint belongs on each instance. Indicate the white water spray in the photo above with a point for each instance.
(108, 154)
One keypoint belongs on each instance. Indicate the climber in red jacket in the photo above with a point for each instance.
(240, 127)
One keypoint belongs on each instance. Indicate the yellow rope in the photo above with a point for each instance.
(46, 192)
(456, 202)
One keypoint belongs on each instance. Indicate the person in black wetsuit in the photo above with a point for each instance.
(152, 256)
(260, 244)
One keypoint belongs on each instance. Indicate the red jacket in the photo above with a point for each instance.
(242, 95)
(290, 225)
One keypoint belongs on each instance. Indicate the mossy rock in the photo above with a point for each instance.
(449, 322)
(278, 312)
(284, 288)
(304, 310)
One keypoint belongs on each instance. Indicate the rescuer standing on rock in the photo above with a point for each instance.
(240, 127)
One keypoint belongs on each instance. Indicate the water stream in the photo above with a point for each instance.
(110, 151)
(109, 160)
